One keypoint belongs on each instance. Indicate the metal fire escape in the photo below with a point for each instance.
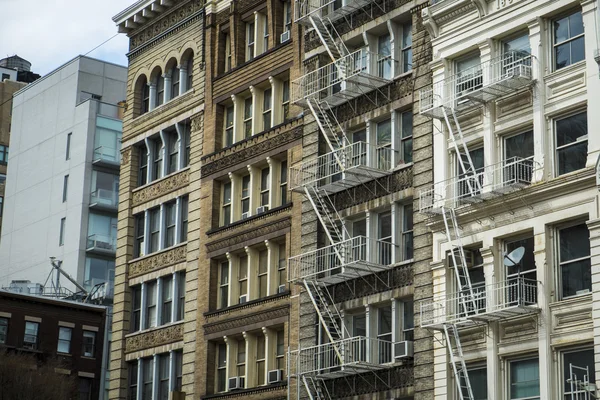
(345, 165)
(445, 100)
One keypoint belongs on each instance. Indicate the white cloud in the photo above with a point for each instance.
(50, 33)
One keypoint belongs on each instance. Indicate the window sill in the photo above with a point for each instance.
(87, 358)
(155, 328)
(252, 218)
(249, 391)
(165, 106)
(247, 304)
(565, 71)
(571, 300)
(140, 188)
(58, 353)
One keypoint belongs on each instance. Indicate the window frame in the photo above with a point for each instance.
(167, 299)
(68, 149)
(185, 215)
(221, 367)
(228, 58)
(136, 308)
(65, 188)
(228, 137)
(261, 362)
(226, 217)
(509, 380)
(170, 210)
(175, 82)
(267, 109)
(245, 194)
(561, 263)
(223, 297)
(406, 140)
(63, 227)
(4, 322)
(283, 182)
(132, 378)
(262, 273)
(576, 142)
(164, 375)
(285, 100)
(250, 45)
(407, 231)
(142, 165)
(139, 249)
(563, 366)
(154, 229)
(31, 344)
(180, 315)
(248, 117)
(569, 40)
(92, 344)
(265, 187)
(150, 310)
(62, 340)
(243, 279)
(406, 48)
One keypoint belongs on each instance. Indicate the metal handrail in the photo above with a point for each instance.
(494, 178)
(334, 163)
(327, 77)
(354, 351)
(481, 300)
(305, 8)
(466, 83)
(105, 242)
(325, 260)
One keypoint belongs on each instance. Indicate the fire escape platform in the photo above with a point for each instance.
(306, 8)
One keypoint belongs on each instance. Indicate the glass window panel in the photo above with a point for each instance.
(519, 145)
(578, 359)
(384, 132)
(572, 158)
(574, 242)
(576, 277)
(524, 379)
(577, 50)
(359, 325)
(519, 43)
(575, 24)
(570, 128)
(385, 320)
(561, 30)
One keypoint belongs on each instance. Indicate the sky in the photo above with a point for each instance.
(48, 33)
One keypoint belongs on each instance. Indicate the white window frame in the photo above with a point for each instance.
(61, 339)
(223, 296)
(404, 140)
(561, 263)
(406, 48)
(250, 45)
(246, 181)
(226, 210)
(248, 117)
(267, 109)
(264, 189)
(579, 140)
(228, 126)
(283, 182)
(565, 387)
(227, 52)
(508, 380)
(262, 275)
(555, 45)
(407, 232)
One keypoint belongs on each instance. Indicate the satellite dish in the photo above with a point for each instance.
(514, 257)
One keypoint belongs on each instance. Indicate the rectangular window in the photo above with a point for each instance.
(578, 368)
(224, 284)
(3, 330)
(154, 216)
(248, 117)
(160, 90)
(518, 158)
(85, 388)
(181, 299)
(136, 308)
(178, 370)
(264, 186)
(140, 231)
(575, 261)
(245, 195)
(170, 222)
(571, 142)
(1, 205)
(228, 139)
(89, 344)
(185, 202)
(469, 75)
(221, 367)
(157, 159)
(285, 101)
(163, 376)
(143, 163)
(61, 235)
(527, 268)
(287, 16)
(151, 304)
(3, 154)
(384, 58)
(280, 351)
(173, 152)
(175, 77)
(68, 149)
(263, 268)
(241, 357)
(243, 277)
(384, 334)
(30, 340)
(569, 40)
(133, 380)
(145, 106)
(283, 187)
(408, 320)
(249, 40)
(147, 378)
(407, 232)
(65, 188)
(64, 340)
(167, 299)
(406, 138)
(227, 52)
(478, 380)
(524, 379)
(187, 143)
(267, 100)
(265, 34)
(384, 144)
(226, 206)
(260, 359)
(384, 236)
(281, 265)
(407, 47)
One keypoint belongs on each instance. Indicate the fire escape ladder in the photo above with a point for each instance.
(328, 314)
(457, 360)
(314, 388)
(473, 185)
(327, 215)
(334, 45)
(328, 124)
(581, 389)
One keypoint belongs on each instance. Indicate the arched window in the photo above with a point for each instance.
(160, 89)
(190, 72)
(144, 91)
(174, 82)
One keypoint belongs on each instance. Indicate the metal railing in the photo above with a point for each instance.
(501, 75)
(481, 302)
(104, 197)
(305, 8)
(104, 153)
(495, 179)
(331, 166)
(358, 351)
(102, 242)
(333, 78)
(359, 252)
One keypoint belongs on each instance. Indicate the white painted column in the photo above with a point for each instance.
(251, 376)
(234, 292)
(396, 327)
(396, 224)
(143, 305)
(180, 128)
(254, 188)
(176, 290)
(156, 382)
(161, 233)
(168, 87)
(272, 258)
(229, 359)
(594, 227)
(159, 300)
(489, 147)
(371, 233)
(269, 352)
(149, 146)
(252, 273)
(544, 298)
(592, 32)
(171, 371)
(164, 153)
(494, 370)
(236, 193)
(395, 49)
(152, 96)
(276, 100)
(371, 329)
(256, 108)
(182, 80)
(238, 118)
(540, 131)
(442, 168)
(272, 169)
(146, 232)
(178, 220)
(395, 120)
(140, 380)
(370, 134)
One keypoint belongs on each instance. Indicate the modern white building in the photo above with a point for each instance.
(63, 177)
(516, 108)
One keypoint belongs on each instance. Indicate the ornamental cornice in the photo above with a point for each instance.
(247, 319)
(157, 261)
(125, 156)
(154, 338)
(277, 391)
(245, 307)
(161, 187)
(254, 146)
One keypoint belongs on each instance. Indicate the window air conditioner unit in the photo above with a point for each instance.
(245, 215)
(281, 289)
(262, 209)
(275, 376)
(403, 350)
(243, 298)
(285, 36)
(237, 382)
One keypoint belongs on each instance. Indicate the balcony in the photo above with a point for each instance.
(326, 9)
(482, 83)
(343, 168)
(101, 244)
(493, 181)
(510, 298)
(104, 199)
(347, 78)
(344, 357)
(343, 261)
(107, 157)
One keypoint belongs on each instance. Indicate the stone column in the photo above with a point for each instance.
(183, 73)
(589, 11)
(168, 88)
(538, 55)
(594, 227)
(544, 293)
(152, 96)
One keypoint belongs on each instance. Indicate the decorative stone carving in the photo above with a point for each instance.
(254, 146)
(248, 319)
(154, 338)
(198, 122)
(176, 102)
(162, 187)
(126, 156)
(157, 261)
(236, 238)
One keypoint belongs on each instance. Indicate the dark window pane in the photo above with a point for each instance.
(562, 55)
(570, 128)
(572, 158)
(577, 50)
(520, 145)
(576, 276)
(575, 24)
(579, 359)
(574, 242)
(561, 30)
